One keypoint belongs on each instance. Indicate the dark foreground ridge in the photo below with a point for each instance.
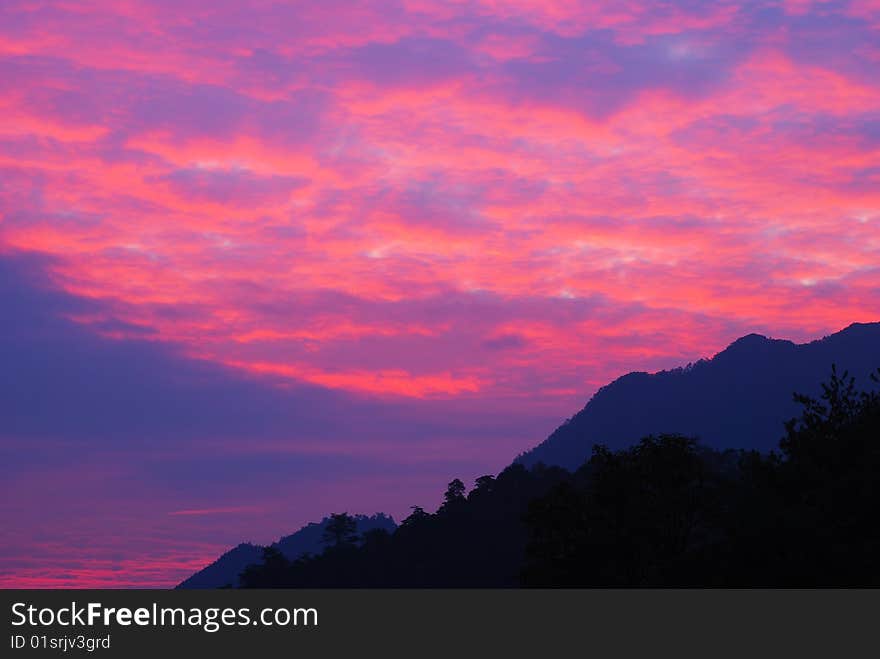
(668, 505)
(665, 512)
(739, 398)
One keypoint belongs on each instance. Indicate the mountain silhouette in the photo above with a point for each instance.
(739, 398)
(664, 511)
(756, 467)
(225, 571)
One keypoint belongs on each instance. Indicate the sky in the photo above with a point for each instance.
(262, 261)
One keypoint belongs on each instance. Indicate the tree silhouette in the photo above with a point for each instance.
(340, 531)
(666, 511)
(272, 573)
(417, 515)
(454, 491)
(484, 483)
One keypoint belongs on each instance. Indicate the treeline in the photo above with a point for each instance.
(665, 512)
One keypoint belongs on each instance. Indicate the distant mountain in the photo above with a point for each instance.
(308, 540)
(740, 398)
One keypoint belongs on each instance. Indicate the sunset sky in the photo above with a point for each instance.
(262, 261)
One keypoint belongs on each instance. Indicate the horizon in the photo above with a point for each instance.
(260, 262)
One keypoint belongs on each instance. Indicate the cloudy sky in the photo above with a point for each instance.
(261, 261)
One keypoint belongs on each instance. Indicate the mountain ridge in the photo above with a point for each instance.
(737, 399)
(740, 397)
